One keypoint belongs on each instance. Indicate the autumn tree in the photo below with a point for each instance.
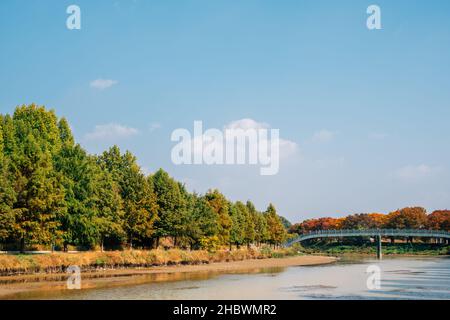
(261, 233)
(407, 218)
(360, 221)
(220, 206)
(276, 231)
(439, 220)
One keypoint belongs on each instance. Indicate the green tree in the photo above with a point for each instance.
(220, 206)
(171, 206)
(248, 223)
(138, 197)
(276, 231)
(39, 195)
(260, 224)
(237, 231)
(7, 196)
(202, 225)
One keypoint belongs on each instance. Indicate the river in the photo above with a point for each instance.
(401, 278)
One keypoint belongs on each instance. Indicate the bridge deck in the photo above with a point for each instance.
(371, 233)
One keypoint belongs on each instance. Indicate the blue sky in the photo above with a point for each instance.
(367, 110)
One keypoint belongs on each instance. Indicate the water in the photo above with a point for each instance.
(401, 278)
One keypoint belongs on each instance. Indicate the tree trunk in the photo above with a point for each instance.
(101, 246)
(22, 245)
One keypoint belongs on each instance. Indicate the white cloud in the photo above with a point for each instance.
(199, 143)
(287, 147)
(154, 126)
(111, 131)
(246, 124)
(102, 84)
(323, 136)
(417, 172)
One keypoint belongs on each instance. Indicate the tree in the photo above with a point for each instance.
(220, 206)
(39, 197)
(138, 198)
(277, 233)
(439, 220)
(91, 197)
(360, 221)
(171, 204)
(309, 225)
(249, 224)
(260, 224)
(237, 214)
(286, 223)
(407, 218)
(7, 196)
(202, 225)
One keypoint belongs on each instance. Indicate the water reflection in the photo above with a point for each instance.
(401, 278)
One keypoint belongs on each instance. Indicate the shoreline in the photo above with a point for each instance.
(10, 286)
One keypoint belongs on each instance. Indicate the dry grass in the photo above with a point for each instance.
(58, 262)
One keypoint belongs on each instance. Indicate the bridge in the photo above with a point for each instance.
(376, 233)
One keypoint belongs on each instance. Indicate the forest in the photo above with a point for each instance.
(54, 194)
(406, 218)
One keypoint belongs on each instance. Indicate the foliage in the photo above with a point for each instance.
(53, 193)
(58, 262)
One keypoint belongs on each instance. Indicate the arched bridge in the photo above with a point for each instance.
(376, 233)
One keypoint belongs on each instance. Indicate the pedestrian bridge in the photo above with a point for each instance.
(376, 233)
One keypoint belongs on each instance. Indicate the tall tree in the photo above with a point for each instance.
(237, 231)
(407, 218)
(39, 201)
(7, 196)
(277, 233)
(171, 206)
(220, 206)
(439, 220)
(139, 200)
(202, 224)
(261, 234)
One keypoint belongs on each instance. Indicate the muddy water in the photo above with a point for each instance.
(401, 278)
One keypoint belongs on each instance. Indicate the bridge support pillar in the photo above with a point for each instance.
(379, 254)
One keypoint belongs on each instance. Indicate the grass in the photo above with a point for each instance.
(58, 262)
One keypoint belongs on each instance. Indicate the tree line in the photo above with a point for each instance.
(406, 218)
(52, 192)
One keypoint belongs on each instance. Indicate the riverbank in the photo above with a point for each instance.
(11, 286)
(58, 262)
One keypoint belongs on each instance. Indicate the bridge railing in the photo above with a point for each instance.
(371, 232)
(377, 232)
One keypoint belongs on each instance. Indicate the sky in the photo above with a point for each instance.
(365, 112)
